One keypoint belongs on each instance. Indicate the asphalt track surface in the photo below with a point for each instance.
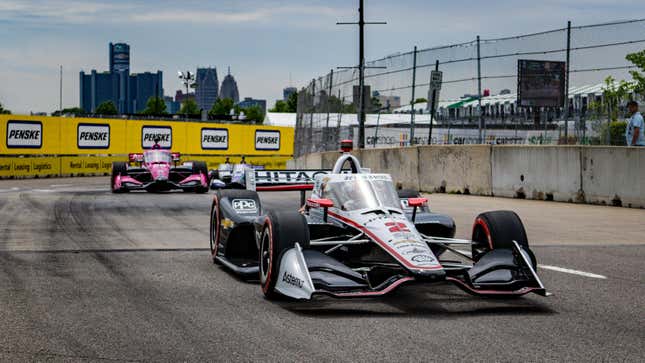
(86, 275)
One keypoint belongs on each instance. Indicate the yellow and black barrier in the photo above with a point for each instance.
(33, 146)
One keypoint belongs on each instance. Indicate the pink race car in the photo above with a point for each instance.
(159, 170)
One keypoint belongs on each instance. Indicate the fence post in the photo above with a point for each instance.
(326, 132)
(479, 92)
(566, 86)
(414, 84)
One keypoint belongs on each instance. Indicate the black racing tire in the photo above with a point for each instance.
(281, 231)
(200, 167)
(118, 168)
(408, 193)
(498, 229)
(214, 233)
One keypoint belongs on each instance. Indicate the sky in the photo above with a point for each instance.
(269, 44)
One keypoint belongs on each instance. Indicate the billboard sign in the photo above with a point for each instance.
(24, 134)
(214, 139)
(93, 136)
(150, 133)
(540, 83)
(267, 140)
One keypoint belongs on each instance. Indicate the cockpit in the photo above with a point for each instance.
(361, 192)
(157, 156)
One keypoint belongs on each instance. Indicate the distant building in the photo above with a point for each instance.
(287, 92)
(229, 88)
(119, 57)
(385, 101)
(249, 102)
(172, 106)
(128, 92)
(180, 96)
(207, 88)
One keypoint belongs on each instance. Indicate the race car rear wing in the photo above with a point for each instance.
(281, 180)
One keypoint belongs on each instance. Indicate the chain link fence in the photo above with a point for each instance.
(327, 105)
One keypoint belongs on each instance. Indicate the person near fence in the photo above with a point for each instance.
(634, 130)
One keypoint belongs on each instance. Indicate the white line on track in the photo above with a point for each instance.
(560, 269)
(573, 272)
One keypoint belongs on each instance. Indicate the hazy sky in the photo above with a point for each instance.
(264, 41)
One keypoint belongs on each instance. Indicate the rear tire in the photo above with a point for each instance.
(118, 168)
(280, 233)
(498, 229)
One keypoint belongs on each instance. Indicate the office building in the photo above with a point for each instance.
(229, 88)
(287, 92)
(249, 102)
(181, 97)
(128, 92)
(172, 106)
(207, 87)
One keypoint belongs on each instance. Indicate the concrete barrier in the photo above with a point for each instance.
(581, 174)
(614, 176)
(537, 172)
(455, 168)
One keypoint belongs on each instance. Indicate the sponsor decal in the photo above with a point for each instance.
(397, 227)
(227, 223)
(267, 140)
(24, 134)
(244, 205)
(423, 259)
(150, 133)
(415, 251)
(292, 280)
(214, 139)
(286, 176)
(93, 136)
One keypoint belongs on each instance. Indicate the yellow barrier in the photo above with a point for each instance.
(48, 146)
(36, 135)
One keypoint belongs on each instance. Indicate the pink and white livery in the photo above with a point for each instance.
(159, 170)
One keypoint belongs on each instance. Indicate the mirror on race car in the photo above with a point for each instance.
(320, 203)
(417, 202)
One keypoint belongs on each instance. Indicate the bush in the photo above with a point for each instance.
(616, 132)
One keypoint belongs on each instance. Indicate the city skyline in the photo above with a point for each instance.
(263, 43)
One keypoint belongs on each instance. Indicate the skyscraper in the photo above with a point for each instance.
(229, 88)
(128, 92)
(119, 57)
(287, 92)
(207, 87)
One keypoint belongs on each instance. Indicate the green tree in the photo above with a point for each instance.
(106, 108)
(638, 59)
(376, 104)
(189, 107)
(420, 100)
(76, 111)
(4, 111)
(614, 94)
(292, 103)
(222, 107)
(253, 113)
(280, 106)
(155, 106)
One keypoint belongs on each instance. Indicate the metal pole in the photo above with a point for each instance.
(378, 119)
(566, 87)
(60, 91)
(414, 84)
(479, 91)
(361, 76)
(433, 107)
(331, 80)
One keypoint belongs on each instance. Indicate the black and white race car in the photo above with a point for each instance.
(356, 237)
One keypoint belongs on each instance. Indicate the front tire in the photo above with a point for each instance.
(215, 230)
(200, 167)
(498, 229)
(281, 232)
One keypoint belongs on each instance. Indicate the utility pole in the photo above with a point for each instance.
(479, 91)
(361, 71)
(60, 91)
(566, 86)
(414, 85)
